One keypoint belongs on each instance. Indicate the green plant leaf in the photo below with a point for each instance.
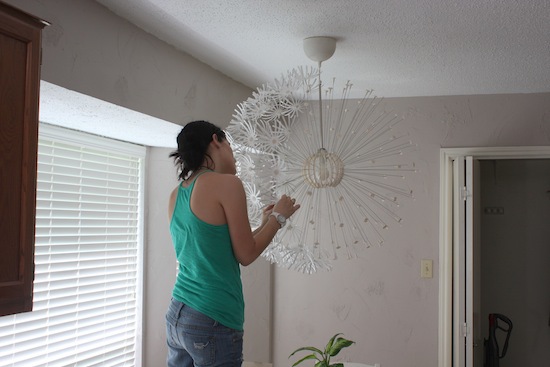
(338, 345)
(333, 347)
(311, 349)
(310, 356)
(330, 342)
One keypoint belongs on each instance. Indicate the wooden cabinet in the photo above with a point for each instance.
(20, 47)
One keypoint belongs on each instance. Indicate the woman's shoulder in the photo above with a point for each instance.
(174, 192)
(223, 180)
(218, 185)
(172, 202)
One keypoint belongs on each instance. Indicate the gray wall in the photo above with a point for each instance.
(379, 300)
(90, 50)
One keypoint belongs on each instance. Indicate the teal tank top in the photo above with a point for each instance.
(209, 275)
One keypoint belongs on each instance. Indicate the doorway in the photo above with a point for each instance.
(515, 257)
(461, 281)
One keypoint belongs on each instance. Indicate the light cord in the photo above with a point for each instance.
(320, 108)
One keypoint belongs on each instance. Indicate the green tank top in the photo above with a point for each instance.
(209, 275)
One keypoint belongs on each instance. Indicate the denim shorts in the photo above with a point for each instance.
(196, 340)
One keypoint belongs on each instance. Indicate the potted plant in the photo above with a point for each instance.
(334, 346)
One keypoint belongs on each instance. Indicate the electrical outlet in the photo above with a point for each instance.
(426, 268)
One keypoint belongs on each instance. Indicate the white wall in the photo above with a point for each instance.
(515, 276)
(377, 300)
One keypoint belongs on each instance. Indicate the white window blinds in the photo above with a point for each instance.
(87, 287)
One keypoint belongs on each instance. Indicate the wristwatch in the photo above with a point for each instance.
(281, 219)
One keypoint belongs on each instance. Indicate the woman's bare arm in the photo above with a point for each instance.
(247, 245)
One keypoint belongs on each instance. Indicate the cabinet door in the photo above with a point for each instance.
(19, 90)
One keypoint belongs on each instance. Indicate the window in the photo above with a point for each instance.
(88, 256)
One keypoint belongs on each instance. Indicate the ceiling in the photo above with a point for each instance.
(399, 48)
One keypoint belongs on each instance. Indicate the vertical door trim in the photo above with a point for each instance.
(469, 260)
(459, 257)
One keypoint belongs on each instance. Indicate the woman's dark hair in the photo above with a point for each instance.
(193, 141)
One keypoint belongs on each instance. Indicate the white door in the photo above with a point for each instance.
(467, 334)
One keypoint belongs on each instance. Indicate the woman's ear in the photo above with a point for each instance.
(216, 139)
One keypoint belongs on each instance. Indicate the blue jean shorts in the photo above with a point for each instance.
(196, 340)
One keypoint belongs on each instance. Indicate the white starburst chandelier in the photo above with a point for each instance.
(340, 158)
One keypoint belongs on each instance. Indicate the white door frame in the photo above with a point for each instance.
(447, 156)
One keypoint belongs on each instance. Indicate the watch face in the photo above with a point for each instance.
(281, 219)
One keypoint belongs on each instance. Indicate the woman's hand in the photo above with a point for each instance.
(286, 206)
(266, 211)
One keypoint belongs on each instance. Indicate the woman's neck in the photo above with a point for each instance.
(197, 171)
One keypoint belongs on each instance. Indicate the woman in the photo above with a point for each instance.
(212, 236)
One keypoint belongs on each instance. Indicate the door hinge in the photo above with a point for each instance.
(465, 330)
(465, 193)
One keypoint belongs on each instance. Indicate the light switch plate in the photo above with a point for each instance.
(426, 268)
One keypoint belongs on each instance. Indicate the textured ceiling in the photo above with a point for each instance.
(398, 48)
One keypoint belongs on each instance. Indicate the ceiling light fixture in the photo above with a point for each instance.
(340, 159)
